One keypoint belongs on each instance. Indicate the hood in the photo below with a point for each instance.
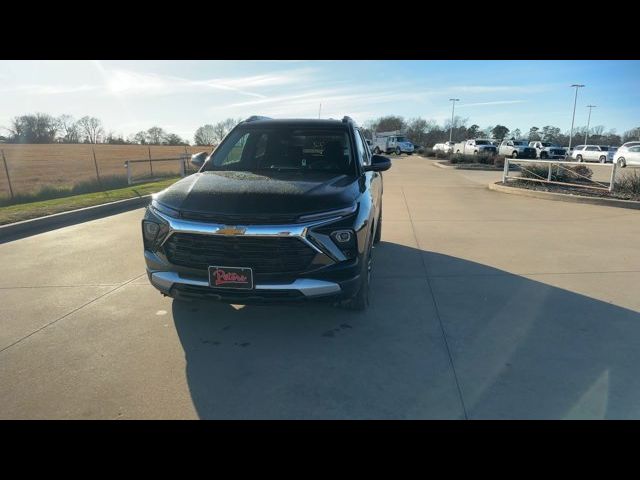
(277, 195)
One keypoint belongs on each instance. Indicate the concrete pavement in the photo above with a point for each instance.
(484, 306)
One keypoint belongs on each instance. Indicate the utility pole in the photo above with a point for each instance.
(586, 135)
(574, 111)
(453, 109)
(319, 110)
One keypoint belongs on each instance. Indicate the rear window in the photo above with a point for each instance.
(284, 148)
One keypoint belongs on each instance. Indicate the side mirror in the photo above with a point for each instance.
(198, 159)
(378, 164)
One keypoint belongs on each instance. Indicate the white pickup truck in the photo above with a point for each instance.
(392, 142)
(517, 149)
(475, 147)
(548, 150)
(446, 147)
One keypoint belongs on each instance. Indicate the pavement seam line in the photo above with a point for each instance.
(437, 311)
(69, 313)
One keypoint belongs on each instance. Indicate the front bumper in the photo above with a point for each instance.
(176, 285)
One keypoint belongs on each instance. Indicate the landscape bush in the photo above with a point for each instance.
(559, 173)
(628, 185)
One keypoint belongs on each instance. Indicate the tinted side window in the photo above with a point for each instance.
(367, 151)
(360, 148)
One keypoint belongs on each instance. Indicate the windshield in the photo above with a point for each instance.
(524, 144)
(401, 139)
(284, 148)
(547, 144)
(482, 142)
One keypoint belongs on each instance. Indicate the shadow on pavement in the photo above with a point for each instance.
(520, 348)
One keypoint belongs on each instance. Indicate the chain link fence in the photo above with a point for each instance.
(28, 170)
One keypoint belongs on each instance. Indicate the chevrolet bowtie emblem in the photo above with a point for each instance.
(229, 230)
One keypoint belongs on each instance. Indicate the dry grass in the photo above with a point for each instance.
(32, 167)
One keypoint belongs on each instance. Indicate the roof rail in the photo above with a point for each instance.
(253, 118)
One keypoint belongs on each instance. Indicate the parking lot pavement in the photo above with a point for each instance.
(484, 305)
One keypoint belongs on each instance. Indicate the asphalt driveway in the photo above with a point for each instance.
(485, 305)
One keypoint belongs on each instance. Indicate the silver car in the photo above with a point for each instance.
(628, 154)
(593, 153)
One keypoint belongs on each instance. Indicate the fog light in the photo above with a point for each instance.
(150, 230)
(342, 236)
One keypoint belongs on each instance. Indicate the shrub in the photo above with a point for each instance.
(579, 173)
(628, 185)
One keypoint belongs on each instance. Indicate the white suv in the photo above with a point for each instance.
(628, 154)
(593, 153)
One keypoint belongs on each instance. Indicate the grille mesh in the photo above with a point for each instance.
(265, 255)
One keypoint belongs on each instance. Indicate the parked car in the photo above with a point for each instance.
(475, 147)
(628, 155)
(593, 153)
(446, 147)
(517, 149)
(545, 150)
(282, 210)
(392, 142)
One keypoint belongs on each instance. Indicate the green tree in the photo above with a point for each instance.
(550, 133)
(390, 123)
(534, 136)
(474, 131)
(499, 132)
(33, 128)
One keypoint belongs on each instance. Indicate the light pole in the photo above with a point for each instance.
(574, 111)
(586, 135)
(453, 109)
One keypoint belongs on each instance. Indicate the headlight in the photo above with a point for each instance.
(154, 229)
(150, 230)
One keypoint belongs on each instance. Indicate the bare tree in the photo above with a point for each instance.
(68, 128)
(36, 128)
(204, 135)
(92, 129)
(222, 129)
(155, 135)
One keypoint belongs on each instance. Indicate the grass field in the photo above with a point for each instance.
(33, 167)
(16, 213)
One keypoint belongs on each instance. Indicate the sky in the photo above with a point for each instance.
(179, 96)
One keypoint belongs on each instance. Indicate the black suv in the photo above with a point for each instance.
(281, 210)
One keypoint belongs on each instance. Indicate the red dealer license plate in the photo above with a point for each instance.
(231, 277)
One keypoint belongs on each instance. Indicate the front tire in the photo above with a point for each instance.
(360, 301)
(622, 162)
(543, 155)
(376, 151)
(514, 155)
(603, 159)
(579, 158)
(398, 151)
(378, 236)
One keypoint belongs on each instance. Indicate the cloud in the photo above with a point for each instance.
(123, 82)
(497, 102)
(38, 89)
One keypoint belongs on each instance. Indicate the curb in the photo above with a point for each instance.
(25, 228)
(442, 165)
(565, 197)
(461, 167)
